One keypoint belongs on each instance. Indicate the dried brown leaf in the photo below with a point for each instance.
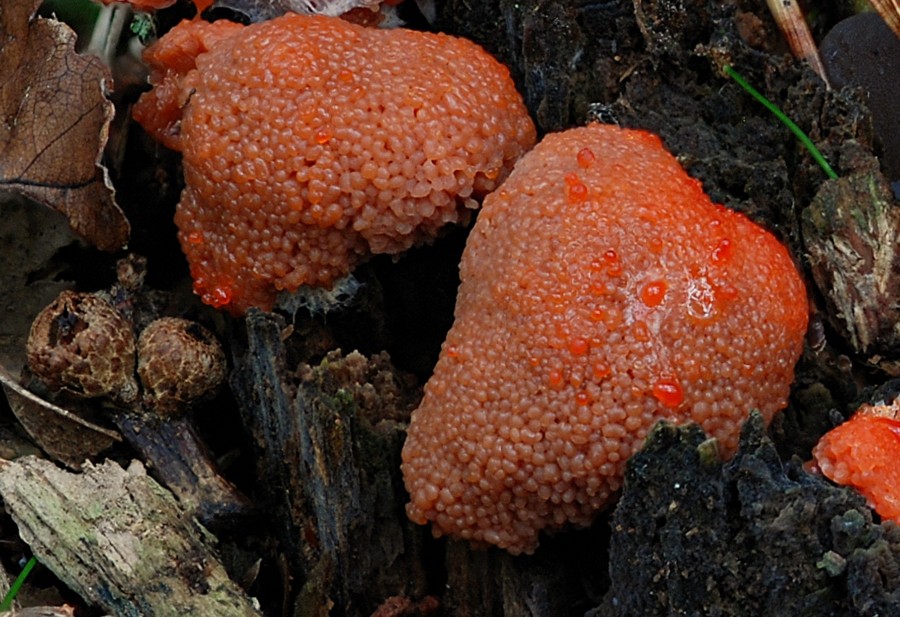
(30, 274)
(29, 280)
(64, 435)
(54, 122)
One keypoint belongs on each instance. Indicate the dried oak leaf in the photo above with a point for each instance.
(54, 122)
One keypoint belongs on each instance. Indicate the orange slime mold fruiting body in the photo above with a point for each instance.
(864, 452)
(311, 143)
(582, 322)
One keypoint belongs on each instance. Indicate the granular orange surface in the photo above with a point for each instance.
(310, 143)
(864, 452)
(601, 292)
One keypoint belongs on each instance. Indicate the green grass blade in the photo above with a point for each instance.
(17, 585)
(796, 130)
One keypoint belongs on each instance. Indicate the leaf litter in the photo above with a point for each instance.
(55, 123)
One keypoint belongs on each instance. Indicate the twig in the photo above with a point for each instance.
(890, 13)
(790, 20)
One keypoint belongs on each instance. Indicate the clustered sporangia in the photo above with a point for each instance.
(601, 292)
(864, 452)
(311, 143)
(601, 289)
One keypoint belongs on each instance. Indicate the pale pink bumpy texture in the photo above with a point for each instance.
(601, 292)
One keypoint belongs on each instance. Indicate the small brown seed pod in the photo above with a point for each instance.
(80, 343)
(179, 362)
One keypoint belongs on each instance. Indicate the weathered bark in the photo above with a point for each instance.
(753, 536)
(851, 230)
(120, 540)
(332, 479)
(565, 577)
(179, 458)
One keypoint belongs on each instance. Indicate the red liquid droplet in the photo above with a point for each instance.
(585, 157)
(654, 293)
(578, 346)
(555, 378)
(576, 193)
(668, 392)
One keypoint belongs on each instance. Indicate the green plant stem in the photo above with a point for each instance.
(17, 585)
(796, 130)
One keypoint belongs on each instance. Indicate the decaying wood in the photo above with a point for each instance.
(118, 539)
(42, 611)
(330, 440)
(333, 481)
(173, 449)
(851, 230)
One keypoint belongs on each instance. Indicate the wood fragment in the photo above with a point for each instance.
(851, 230)
(179, 458)
(333, 478)
(790, 19)
(890, 13)
(42, 611)
(119, 539)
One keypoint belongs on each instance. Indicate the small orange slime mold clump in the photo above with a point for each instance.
(601, 292)
(310, 143)
(864, 452)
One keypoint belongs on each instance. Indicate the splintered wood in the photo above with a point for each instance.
(118, 539)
